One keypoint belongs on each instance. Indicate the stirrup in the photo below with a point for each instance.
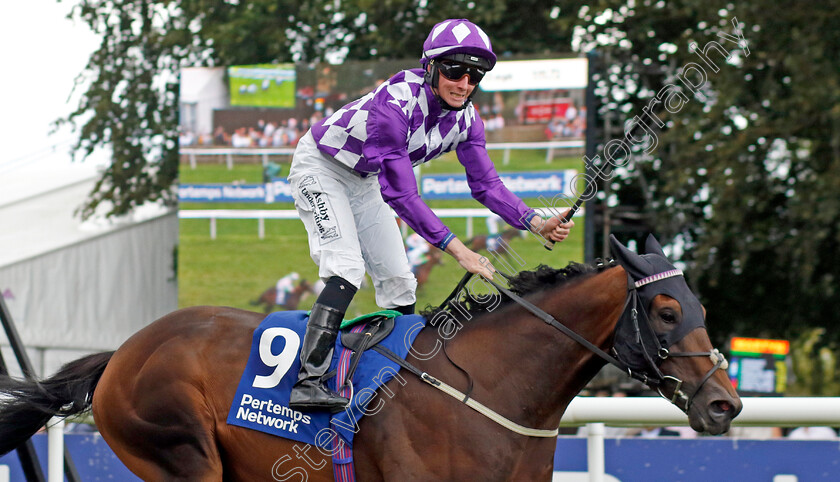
(315, 396)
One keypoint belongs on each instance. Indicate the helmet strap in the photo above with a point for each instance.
(431, 75)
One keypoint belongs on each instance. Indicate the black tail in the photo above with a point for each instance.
(27, 405)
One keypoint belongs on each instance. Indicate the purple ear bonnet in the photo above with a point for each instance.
(654, 262)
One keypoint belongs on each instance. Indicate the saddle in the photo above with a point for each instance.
(377, 326)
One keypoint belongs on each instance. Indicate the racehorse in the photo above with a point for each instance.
(268, 298)
(423, 271)
(161, 400)
(498, 244)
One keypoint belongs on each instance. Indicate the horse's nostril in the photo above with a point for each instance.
(723, 406)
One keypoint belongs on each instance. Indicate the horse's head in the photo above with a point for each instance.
(662, 337)
(304, 286)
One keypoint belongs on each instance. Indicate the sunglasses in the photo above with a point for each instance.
(455, 71)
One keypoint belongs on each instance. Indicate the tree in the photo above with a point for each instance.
(746, 170)
(128, 105)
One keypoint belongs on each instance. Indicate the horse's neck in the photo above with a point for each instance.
(534, 368)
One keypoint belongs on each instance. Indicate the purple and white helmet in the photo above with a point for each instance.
(459, 36)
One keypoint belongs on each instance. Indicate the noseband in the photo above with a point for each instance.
(653, 351)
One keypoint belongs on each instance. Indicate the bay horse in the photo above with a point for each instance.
(423, 271)
(161, 400)
(268, 298)
(497, 244)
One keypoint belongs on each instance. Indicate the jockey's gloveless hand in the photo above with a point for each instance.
(553, 228)
(470, 260)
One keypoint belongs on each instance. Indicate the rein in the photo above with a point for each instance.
(659, 381)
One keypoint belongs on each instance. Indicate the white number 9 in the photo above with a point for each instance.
(281, 361)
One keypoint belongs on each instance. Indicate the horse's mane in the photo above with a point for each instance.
(523, 283)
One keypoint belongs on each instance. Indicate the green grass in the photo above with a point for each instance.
(237, 266)
(250, 173)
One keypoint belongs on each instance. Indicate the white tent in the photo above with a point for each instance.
(76, 287)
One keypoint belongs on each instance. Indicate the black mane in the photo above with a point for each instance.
(523, 283)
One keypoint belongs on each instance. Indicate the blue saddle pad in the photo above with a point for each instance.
(262, 397)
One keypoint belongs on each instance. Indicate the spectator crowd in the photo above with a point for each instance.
(264, 134)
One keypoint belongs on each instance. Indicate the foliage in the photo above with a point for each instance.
(129, 107)
(814, 365)
(745, 175)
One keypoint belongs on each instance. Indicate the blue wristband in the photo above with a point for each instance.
(448, 239)
(528, 218)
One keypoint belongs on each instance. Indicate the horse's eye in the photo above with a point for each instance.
(668, 316)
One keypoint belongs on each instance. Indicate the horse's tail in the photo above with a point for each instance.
(27, 405)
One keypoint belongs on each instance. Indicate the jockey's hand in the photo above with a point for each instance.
(470, 260)
(553, 228)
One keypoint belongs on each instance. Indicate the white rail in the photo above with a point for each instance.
(655, 411)
(55, 448)
(262, 214)
(193, 153)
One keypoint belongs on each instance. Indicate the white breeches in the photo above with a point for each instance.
(351, 229)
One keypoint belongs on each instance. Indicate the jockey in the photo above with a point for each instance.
(351, 166)
(492, 221)
(416, 249)
(284, 286)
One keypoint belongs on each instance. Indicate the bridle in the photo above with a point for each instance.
(653, 351)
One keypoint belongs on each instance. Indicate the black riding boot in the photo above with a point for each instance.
(310, 393)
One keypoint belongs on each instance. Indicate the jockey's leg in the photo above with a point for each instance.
(317, 349)
(323, 195)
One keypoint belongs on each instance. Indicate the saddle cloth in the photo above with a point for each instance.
(262, 396)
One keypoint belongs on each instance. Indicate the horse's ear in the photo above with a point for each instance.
(652, 246)
(630, 261)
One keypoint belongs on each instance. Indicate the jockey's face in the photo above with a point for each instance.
(454, 92)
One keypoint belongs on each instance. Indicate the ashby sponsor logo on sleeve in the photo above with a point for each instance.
(270, 414)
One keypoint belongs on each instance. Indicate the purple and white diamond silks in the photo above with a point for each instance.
(404, 106)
